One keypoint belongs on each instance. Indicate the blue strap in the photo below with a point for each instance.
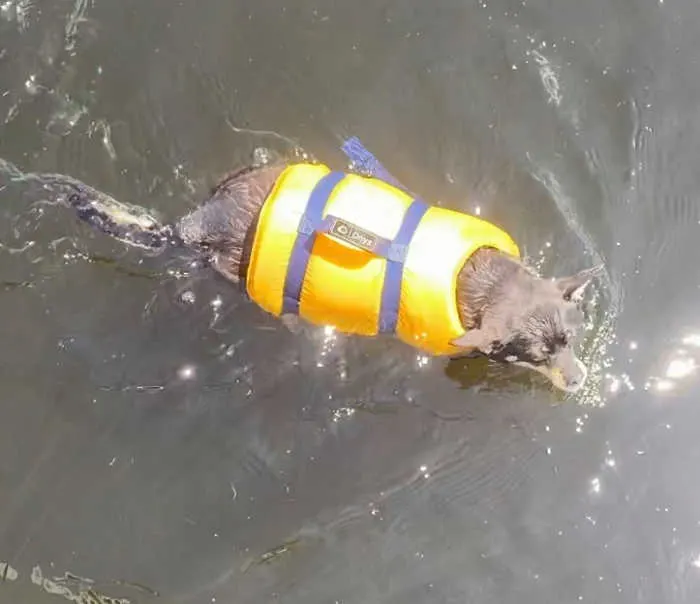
(306, 232)
(364, 161)
(394, 251)
(313, 222)
(393, 277)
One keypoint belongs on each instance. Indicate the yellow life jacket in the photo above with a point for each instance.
(364, 257)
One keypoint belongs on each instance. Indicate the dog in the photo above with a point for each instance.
(504, 309)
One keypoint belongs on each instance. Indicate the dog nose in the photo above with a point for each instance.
(575, 382)
(576, 378)
(570, 377)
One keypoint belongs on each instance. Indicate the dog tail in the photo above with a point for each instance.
(128, 223)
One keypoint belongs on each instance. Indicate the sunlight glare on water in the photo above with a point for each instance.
(187, 372)
(680, 367)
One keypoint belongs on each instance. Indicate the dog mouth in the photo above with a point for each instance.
(559, 380)
(569, 383)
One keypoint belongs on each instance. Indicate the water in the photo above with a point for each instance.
(160, 435)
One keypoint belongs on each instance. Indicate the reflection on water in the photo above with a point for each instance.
(158, 431)
(680, 366)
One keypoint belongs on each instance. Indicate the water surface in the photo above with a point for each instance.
(160, 435)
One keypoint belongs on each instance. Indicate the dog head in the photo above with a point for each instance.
(535, 323)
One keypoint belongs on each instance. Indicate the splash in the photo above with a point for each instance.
(7, 572)
(329, 338)
(76, 17)
(101, 127)
(72, 588)
(66, 115)
(9, 171)
(549, 78)
(17, 11)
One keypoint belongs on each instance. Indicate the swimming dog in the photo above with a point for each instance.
(357, 253)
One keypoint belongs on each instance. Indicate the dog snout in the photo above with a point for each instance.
(568, 373)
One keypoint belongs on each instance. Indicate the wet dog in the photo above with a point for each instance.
(509, 313)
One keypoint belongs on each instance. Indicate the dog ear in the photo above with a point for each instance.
(572, 288)
(480, 339)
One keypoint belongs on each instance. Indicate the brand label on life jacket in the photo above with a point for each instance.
(354, 235)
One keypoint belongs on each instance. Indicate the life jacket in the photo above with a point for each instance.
(365, 257)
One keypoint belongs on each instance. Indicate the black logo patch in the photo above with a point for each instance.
(354, 235)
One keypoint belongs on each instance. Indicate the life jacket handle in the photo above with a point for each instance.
(365, 162)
